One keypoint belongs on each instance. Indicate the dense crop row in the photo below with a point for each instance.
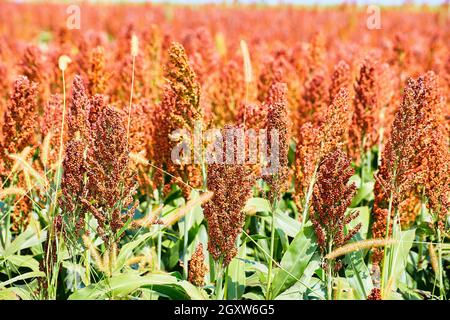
(336, 184)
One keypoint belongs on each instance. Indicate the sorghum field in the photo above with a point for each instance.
(114, 124)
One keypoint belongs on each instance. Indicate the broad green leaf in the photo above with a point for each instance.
(26, 239)
(365, 192)
(357, 272)
(75, 274)
(399, 257)
(363, 218)
(173, 253)
(24, 261)
(194, 216)
(28, 275)
(8, 294)
(408, 293)
(148, 294)
(254, 205)
(192, 291)
(173, 292)
(342, 289)
(26, 292)
(358, 275)
(253, 296)
(283, 221)
(236, 275)
(295, 260)
(298, 289)
(127, 250)
(121, 286)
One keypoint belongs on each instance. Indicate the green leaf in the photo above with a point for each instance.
(121, 286)
(194, 216)
(365, 192)
(400, 257)
(24, 276)
(127, 250)
(343, 290)
(253, 296)
(24, 261)
(358, 275)
(298, 290)
(236, 275)
(8, 294)
(257, 205)
(357, 272)
(363, 218)
(295, 260)
(192, 291)
(284, 222)
(26, 239)
(124, 228)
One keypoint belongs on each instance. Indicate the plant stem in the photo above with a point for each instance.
(61, 142)
(362, 159)
(330, 275)
(159, 248)
(309, 195)
(185, 245)
(272, 247)
(219, 274)
(440, 273)
(87, 261)
(388, 222)
(225, 290)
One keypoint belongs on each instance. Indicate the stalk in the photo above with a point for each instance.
(63, 61)
(148, 211)
(272, 248)
(362, 159)
(219, 279)
(309, 195)
(185, 244)
(159, 248)
(440, 273)
(330, 275)
(60, 155)
(422, 210)
(388, 222)
(225, 290)
(87, 257)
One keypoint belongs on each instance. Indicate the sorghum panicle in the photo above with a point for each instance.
(201, 50)
(51, 124)
(19, 121)
(331, 198)
(278, 121)
(111, 183)
(341, 78)
(78, 115)
(180, 109)
(226, 98)
(231, 185)
(316, 141)
(97, 74)
(363, 131)
(416, 156)
(197, 268)
(306, 157)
